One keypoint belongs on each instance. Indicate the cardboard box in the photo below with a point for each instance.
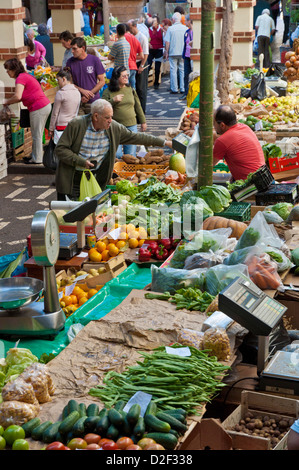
(280, 164)
(262, 404)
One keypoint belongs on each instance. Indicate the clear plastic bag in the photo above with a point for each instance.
(170, 279)
(280, 258)
(189, 337)
(205, 260)
(218, 277)
(263, 272)
(259, 231)
(17, 412)
(19, 390)
(216, 342)
(37, 374)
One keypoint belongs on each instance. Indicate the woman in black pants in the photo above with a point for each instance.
(156, 49)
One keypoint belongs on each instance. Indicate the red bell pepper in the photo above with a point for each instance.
(161, 253)
(144, 255)
(166, 243)
(175, 242)
(152, 246)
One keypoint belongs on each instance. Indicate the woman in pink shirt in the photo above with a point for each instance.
(29, 92)
(36, 53)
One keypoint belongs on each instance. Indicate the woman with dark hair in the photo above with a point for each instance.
(36, 53)
(29, 92)
(156, 49)
(44, 39)
(66, 104)
(127, 109)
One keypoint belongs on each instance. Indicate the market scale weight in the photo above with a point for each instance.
(28, 306)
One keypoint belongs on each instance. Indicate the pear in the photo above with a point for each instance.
(93, 272)
(101, 270)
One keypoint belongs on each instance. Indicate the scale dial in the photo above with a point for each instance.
(45, 238)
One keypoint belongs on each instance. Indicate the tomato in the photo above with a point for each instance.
(91, 438)
(92, 446)
(145, 441)
(77, 443)
(124, 442)
(20, 444)
(1, 430)
(154, 447)
(2, 443)
(109, 446)
(104, 440)
(56, 445)
(12, 433)
(134, 447)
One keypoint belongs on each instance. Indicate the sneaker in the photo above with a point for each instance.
(174, 92)
(183, 97)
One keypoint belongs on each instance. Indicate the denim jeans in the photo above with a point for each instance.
(176, 64)
(132, 78)
(127, 148)
(187, 71)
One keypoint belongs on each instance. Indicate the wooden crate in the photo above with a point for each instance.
(114, 266)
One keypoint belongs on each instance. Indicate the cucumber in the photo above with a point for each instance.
(78, 429)
(92, 410)
(119, 405)
(126, 427)
(139, 428)
(38, 431)
(49, 435)
(175, 411)
(90, 423)
(30, 425)
(172, 421)
(134, 413)
(166, 439)
(103, 412)
(67, 424)
(65, 412)
(72, 405)
(115, 417)
(156, 424)
(82, 409)
(102, 425)
(151, 408)
(112, 432)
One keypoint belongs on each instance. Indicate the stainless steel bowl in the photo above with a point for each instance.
(17, 292)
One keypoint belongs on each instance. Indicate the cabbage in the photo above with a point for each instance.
(283, 209)
(16, 361)
(126, 187)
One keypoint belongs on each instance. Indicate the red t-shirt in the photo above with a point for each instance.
(241, 150)
(33, 96)
(156, 36)
(134, 50)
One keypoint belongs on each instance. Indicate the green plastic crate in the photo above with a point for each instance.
(17, 138)
(240, 211)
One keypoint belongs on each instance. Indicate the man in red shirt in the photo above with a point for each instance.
(237, 144)
(136, 54)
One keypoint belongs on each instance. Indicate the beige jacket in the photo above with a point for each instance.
(65, 107)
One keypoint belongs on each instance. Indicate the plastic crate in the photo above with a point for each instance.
(17, 138)
(262, 178)
(240, 211)
(284, 192)
(125, 169)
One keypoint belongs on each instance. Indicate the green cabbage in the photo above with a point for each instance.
(16, 361)
(283, 209)
(126, 187)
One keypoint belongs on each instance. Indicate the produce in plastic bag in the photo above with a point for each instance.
(205, 260)
(216, 342)
(272, 217)
(19, 390)
(16, 412)
(283, 209)
(218, 277)
(37, 374)
(240, 256)
(263, 272)
(280, 258)
(170, 279)
(259, 231)
(189, 337)
(15, 362)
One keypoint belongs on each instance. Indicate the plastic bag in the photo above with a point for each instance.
(19, 390)
(263, 272)
(258, 87)
(280, 258)
(17, 412)
(259, 231)
(37, 374)
(170, 280)
(189, 337)
(216, 342)
(89, 187)
(49, 158)
(5, 115)
(205, 260)
(191, 156)
(218, 277)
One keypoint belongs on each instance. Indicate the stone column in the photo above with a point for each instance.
(65, 16)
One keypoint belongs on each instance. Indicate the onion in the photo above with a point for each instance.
(289, 54)
(288, 63)
(296, 64)
(292, 70)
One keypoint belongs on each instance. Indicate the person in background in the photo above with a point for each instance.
(36, 53)
(90, 142)
(66, 104)
(165, 24)
(236, 143)
(188, 38)
(44, 38)
(181, 11)
(126, 106)
(293, 436)
(286, 10)
(265, 27)
(66, 38)
(29, 92)
(142, 69)
(88, 74)
(120, 51)
(275, 10)
(174, 46)
(86, 23)
(136, 54)
(156, 49)
(142, 26)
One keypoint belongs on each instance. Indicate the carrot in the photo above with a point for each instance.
(252, 264)
(259, 280)
(272, 281)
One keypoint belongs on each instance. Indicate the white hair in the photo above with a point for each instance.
(176, 16)
(98, 106)
(266, 12)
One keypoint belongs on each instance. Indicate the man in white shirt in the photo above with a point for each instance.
(142, 26)
(142, 72)
(174, 46)
(265, 27)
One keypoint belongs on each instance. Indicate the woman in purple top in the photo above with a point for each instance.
(88, 74)
(188, 39)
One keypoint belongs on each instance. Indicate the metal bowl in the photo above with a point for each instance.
(17, 292)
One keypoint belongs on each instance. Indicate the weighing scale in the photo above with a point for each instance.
(70, 243)
(181, 142)
(22, 311)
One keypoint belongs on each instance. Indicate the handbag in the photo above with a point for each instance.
(50, 160)
(24, 118)
(89, 187)
(258, 87)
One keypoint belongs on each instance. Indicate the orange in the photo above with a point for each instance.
(81, 294)
(121, 244)
(105, 255)
(74, 298)
(67, 299)
(100, 246)
(82, 300)
(77, 290)
(92, 292)
(140, 243)
(133, 243)
(142, 232)
(130, 227)
(123, 236)
(113, 250)
(133, 234)
(95, 256)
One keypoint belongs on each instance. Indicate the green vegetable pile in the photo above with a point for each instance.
(216, 196)
(203, 241)
(239, 184)
(126, 188)
(159, 194)
(15, 362)
(190, 298)
(272, 151)
(172, 380)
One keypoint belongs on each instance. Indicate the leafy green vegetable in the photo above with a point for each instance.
(271, 150)
(159, 194)
(190, 298)
(275, 256)
(283, 209)
(15, 362)
(126, 187)
(116, 199)
(248, 238)
(239, 184)
(216, 196)
(194, 209)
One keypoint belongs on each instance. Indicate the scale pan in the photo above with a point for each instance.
(16, 292)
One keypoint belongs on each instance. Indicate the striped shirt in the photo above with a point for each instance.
(94, 146)
(121, 52)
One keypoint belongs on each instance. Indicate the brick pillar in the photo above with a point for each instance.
(65, 16)
(11, 43)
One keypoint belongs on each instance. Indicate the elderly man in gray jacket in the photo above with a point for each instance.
(90, 142)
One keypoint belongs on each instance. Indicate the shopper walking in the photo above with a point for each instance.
(265, 27)
(188, 41)
(29, 92)
(286, 10)
(156, 48)
(174, 46)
